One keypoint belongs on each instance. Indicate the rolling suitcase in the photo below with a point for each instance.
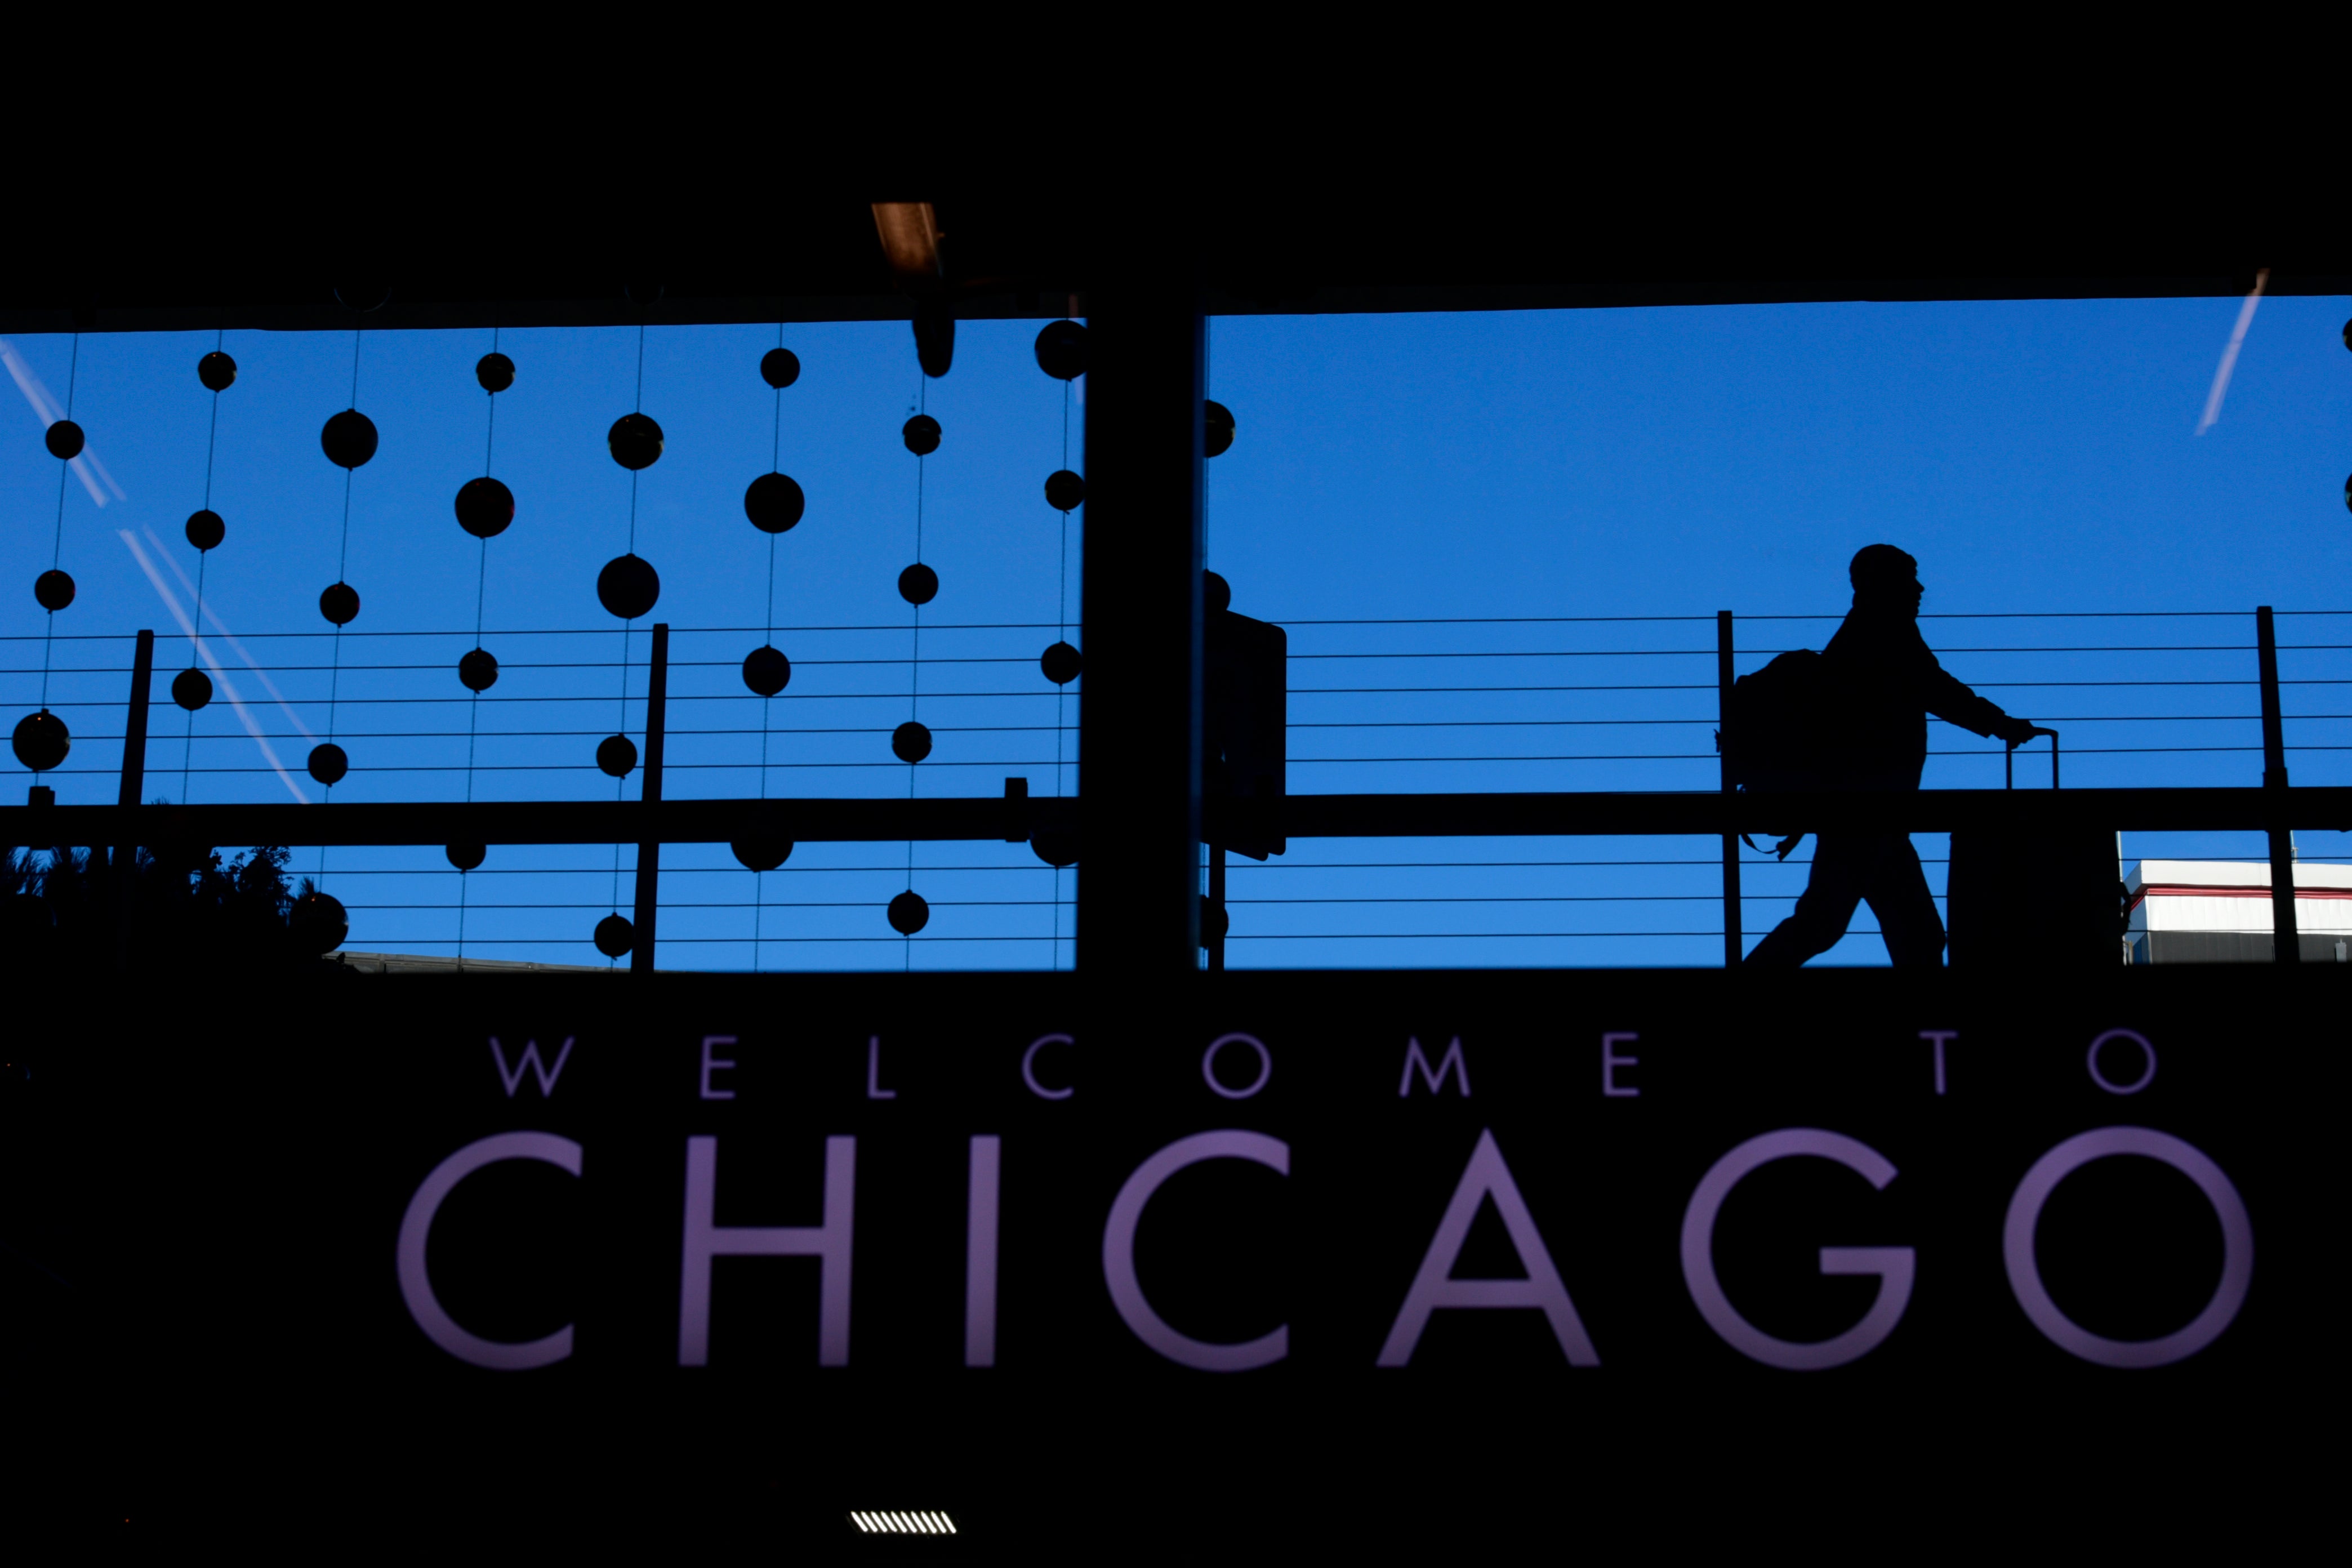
(2033, 900)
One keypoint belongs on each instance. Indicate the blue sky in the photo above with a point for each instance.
(2034, 455)
(2037, 457)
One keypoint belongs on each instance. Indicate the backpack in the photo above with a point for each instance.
(1777, 728)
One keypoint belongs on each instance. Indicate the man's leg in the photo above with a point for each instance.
(1897, 891)
(1841, 863)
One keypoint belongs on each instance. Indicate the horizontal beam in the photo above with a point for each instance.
(1706, 811)
(1566, 814)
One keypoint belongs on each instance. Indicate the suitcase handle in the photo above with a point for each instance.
(2009, 761)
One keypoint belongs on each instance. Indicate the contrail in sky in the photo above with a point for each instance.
(2230, 354)
(229, 638)
(229, 687)
(45, 410)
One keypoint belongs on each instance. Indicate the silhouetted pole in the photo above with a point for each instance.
(1218, 923)
(1733, 937)
(1140, 866)
(641, 955)
(134, 785)
(2286, 943)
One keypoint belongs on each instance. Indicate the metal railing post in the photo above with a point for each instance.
(641, 955)
(1215, 935)
(134, 728)
(1734, 939)
(134, 785)
(2286, 943)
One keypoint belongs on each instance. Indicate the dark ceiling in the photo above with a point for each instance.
(817, 258)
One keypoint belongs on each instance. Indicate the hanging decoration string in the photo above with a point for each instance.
(1062, 634)
(53, 603)
(42, 740)
(767, 721)
(481, 587)
(915, 651)
(628, 623)
(628, 589)
(193, 688)
(917, 584)
(485, 509)
(343, 574)
(908, 926)
(772, 504)
(1061, 352)
(915, 656)
(349, 440)
(768, 639)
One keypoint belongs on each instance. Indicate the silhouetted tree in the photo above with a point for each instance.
(188, 910)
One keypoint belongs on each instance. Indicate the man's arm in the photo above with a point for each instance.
(1948, 699)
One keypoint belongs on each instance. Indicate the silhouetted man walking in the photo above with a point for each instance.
(1881, 682)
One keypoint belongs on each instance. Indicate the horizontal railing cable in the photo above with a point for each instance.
(1440, 682)
(899, 629)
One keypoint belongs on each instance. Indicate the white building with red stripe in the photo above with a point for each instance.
(2219, 911)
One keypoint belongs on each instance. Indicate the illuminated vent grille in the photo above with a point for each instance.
(902, 1523)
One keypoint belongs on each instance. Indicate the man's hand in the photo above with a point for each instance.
(2017, 731)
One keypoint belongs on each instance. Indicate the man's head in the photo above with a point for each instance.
(1884, 575)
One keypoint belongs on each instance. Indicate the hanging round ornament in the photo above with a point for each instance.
(495, 372)
(1056, 848)
(205, 529)
(774, 502)
(635, 442)
(340, 603)
(761, 852)
(53, 589)
(348, 440)
(479, 670)
(910, 741)
(467, 856)
(1216, 429)
(1064, 491)
(934, 336)
(1062, 350)
(910, 913)
(485, 507)
(41, 740)
(1061, 664)
(628, 586)
(616, 755)
(318, 923)
(217, 370)
(921, 435)
(919, 585)
(779, 368)
(767, 671)
(615, 936)
(65, 440)
(329, 764)
(192, 688)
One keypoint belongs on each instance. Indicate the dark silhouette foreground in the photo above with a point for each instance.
(189, 911)
(1878, 681)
